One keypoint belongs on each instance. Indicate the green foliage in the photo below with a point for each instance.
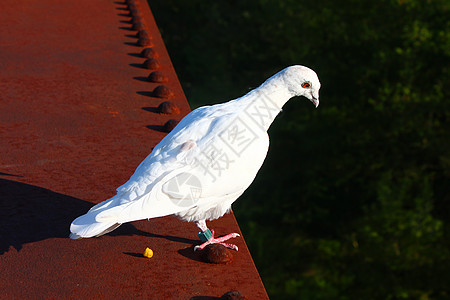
(353, 201)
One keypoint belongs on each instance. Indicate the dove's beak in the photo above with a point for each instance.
(315, 101)
(314, 97)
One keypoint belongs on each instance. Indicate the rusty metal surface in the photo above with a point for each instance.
(77, 115)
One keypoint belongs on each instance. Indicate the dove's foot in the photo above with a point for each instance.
(220, 240)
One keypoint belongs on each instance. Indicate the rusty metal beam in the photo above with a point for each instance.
(78, 112)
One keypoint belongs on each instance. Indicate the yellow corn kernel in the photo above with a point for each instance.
(148, 253)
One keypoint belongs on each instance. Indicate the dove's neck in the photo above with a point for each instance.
(266, 102)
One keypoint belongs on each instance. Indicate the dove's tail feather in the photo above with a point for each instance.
(86, 226)
(91, 230)
(109, 214)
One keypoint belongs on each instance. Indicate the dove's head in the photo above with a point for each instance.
(302, 81)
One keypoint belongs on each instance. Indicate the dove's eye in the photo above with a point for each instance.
(306, 85)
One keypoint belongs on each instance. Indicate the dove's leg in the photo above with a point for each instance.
(207, 237)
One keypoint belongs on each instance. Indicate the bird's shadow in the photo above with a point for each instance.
(30, 213)
(187, 252)
(134, 231)
(7, 174)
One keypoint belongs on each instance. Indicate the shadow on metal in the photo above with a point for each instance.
(151, 109)
(30, 213)
(159, 128)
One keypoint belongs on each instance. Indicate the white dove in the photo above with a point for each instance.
(204, 164)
